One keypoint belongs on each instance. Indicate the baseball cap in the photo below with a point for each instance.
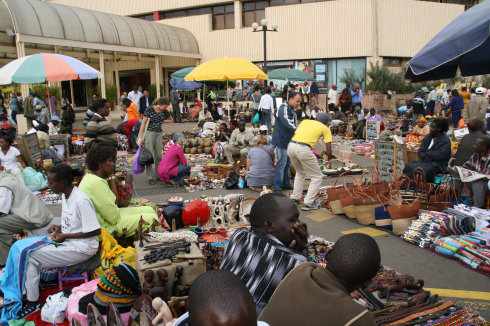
(324, 118)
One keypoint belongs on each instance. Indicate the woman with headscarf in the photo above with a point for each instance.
(174, 167)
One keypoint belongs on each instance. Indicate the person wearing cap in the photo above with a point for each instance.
(477, 106)
(304, 160)
(263, 131)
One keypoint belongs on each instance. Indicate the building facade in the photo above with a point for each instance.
(333, 39)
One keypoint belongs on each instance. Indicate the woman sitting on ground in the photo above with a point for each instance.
(480, 162)
(173, 166)
(75, 240)
(99, 185)
(260, 164)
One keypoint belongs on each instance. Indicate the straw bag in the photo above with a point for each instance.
(336, 207)
(365, 213)
(401, 225)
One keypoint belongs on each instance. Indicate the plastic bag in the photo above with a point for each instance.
(34, 180)
(137, 168)
(256, 118)
(54, 309)
(146, 158)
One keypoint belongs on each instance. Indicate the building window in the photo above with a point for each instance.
(224, 17)
(253, 11)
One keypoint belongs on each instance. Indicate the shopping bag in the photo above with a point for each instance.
(146, 158)
(256, 118)
(137, 168)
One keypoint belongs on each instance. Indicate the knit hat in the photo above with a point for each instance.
(119, 285)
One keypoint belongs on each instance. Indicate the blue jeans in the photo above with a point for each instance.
(265, 119)
(282, 177)
(184, 170)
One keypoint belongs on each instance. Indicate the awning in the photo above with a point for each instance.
(53, 24)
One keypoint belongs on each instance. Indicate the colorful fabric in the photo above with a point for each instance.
(12, 280)
(112, 254)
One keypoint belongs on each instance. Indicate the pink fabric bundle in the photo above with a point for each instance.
(79, 292)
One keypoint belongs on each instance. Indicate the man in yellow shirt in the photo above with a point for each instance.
(305, 161)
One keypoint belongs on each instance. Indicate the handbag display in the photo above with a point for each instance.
(404, 210)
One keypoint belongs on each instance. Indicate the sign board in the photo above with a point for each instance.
(373, 129)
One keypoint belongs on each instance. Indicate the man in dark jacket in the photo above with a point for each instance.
(316, 296)
(145, 102)
(286, 123)
(434, 152)
(467, 145)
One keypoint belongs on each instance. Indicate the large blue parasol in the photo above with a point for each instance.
(463, 44)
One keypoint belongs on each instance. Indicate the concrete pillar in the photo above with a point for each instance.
(167, 88)
(158, 73)
(21, 52)
(118, 86)
(238, 14)
(72, 94)
(102, 72)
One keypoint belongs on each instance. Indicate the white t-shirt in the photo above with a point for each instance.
(78, 215)
(5, 200)
(9, 160)
(332, 96)
(266, 103)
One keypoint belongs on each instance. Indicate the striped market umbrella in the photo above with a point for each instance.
(45, 67)
(181, 73)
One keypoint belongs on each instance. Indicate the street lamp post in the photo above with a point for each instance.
(264, 29)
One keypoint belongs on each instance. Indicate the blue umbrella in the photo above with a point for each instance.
(182, 85)
(463, 44)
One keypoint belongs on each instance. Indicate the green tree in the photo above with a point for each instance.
(381, 79)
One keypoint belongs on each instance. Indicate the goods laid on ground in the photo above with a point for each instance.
(460, 233)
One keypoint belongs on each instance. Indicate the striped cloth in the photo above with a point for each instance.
(261, 261)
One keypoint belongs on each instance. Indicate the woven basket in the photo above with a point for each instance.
(401, 225)
(350, 211)
(365, 214)
(336, 207)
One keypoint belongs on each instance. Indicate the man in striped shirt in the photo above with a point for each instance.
(274, 245)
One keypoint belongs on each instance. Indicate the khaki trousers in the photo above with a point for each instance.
(153, 143)
(306, 165)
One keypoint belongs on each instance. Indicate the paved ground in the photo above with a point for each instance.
(441, 275)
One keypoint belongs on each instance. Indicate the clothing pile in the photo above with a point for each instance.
(431, 225)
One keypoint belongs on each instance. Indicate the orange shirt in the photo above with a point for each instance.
(133, 113)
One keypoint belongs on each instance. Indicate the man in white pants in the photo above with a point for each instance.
(305, 161)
